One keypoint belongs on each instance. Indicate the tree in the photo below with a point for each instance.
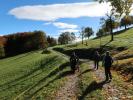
(24, 42)
(51, 41)
(65, 37)
(73, 37)
(88, 32)
(2, 43)
(100, 33)
(109, 24)
(82, 34)
(40, 39)
(126, 20)
(123, 7)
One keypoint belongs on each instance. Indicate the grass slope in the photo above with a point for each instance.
(32, 75)
(124, 39)
(88, 85)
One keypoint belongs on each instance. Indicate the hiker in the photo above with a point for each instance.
(74, 62)
(107, 63)
(96, 60)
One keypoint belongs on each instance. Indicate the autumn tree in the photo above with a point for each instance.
(123, 7)
(24, 42)
(2, 43)
(126, 21)
(109, 23)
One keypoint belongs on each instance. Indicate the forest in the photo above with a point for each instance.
(18, 43)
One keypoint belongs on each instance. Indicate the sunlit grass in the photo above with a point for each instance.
(125, 39)
(32, 75)
(88, 84)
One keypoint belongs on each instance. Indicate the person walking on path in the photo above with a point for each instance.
(107, 63)
(96, 60)
(74, 61)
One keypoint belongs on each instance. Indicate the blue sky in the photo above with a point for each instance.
(51, 16)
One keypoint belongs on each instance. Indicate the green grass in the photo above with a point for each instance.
(121, 40)
(90, 89)
(32, 75)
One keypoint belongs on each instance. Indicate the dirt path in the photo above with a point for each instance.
(117, 89)
(70, 90)
(112, 90)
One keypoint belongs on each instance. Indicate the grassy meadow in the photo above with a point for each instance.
(32, 75)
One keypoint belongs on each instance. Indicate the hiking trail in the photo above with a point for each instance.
(70, 90)
(116, 89)
(112, 90)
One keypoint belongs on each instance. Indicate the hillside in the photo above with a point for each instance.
(47, 76)
(121, 49)
(124, 39)
(31, 75)
(121, 87)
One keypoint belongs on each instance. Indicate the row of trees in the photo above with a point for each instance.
(109, 24)
(2, 43)
(68, 37)
(119, 16)
(17, 43)
(23, 42)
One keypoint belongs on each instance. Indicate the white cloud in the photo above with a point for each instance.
(69, 30)
(64, 25)
(48, 23)
(56, 11)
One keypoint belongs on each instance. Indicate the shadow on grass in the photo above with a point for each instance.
(92, 87)
(61, 75)
(85, 53)
(125, 70)
(22, 78)
(28, 53)
(86, 71)
(52, 73)
(103, 46)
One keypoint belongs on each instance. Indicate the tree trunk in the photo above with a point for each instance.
(111, 29)
(125, 27)
(82, 39)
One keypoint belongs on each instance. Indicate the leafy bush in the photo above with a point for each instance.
(46, 51)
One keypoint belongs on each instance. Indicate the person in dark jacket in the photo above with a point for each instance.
(96, 59)
(74, 61)
(107, 63)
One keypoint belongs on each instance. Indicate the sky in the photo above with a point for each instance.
(51, 16)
